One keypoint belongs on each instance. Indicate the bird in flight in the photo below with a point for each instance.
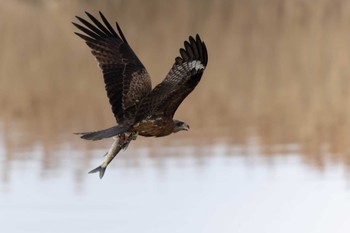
(139, 109)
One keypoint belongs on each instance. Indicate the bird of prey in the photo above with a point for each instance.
(139, 109)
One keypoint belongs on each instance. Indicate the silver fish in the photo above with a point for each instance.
(120, 142)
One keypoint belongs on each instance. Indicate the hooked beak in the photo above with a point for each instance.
(186, 127)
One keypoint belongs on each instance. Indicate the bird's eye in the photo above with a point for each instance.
(179, 123)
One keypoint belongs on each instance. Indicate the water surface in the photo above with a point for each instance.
(213, 189)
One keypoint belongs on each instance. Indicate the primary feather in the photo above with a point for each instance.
(126, 79)
(182, 78)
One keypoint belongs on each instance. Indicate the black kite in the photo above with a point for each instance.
(139, 109)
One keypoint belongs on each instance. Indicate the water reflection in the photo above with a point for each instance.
(216, 188)
(52, 152)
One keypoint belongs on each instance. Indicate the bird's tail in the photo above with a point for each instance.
(106, 133)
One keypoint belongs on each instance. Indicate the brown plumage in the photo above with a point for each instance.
(139, 109)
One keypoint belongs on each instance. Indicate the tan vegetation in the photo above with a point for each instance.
(278, 70)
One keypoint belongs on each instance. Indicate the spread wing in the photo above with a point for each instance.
(183, 77)
(126, 79)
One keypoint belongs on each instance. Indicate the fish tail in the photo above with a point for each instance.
(99, 169)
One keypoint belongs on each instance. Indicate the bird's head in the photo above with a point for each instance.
(180, 125)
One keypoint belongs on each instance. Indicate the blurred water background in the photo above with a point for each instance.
(268, 149)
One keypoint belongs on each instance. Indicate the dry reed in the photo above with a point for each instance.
(278, 69)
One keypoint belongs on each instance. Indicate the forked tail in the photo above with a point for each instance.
(99, 169)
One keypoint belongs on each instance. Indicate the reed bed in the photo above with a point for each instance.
(278, 70)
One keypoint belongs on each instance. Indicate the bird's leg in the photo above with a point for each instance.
(123, 140)
(134, 135)
(128, 138)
